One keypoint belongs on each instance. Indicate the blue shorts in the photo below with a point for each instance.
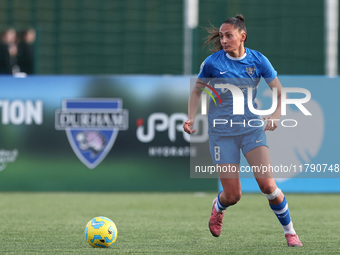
(226, 149)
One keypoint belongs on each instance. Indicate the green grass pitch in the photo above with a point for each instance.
(164, 223)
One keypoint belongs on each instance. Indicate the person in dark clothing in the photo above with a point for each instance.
(7, 51)
(25, 58)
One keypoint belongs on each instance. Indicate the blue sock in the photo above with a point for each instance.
(219, 206)
(282, 213)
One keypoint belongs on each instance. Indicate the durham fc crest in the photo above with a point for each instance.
(91, 126)
(250, 70)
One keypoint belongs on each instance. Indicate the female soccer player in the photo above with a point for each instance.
(234, 64)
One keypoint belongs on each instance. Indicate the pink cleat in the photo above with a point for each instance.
(293, 240)
(215, 222)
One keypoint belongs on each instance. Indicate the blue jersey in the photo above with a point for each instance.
(244, 72)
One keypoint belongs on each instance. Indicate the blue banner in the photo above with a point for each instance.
(124, 133)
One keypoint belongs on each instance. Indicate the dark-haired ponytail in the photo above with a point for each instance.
(214, 38)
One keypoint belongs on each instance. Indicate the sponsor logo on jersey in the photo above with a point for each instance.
(91, 126)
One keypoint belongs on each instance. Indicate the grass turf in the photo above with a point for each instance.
(164, 223)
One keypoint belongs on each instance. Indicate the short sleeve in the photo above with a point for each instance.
(205, 70)
(268, 71)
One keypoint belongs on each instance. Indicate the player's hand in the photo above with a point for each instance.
(272, 122)
(187, 126)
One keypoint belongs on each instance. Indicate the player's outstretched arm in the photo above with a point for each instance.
(194, 100)
(275, 117)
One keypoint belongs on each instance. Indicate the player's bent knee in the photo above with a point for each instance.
(230, 198)
(233, 199)
(272, 195)
(267, 188)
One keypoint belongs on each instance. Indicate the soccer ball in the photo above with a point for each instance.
(101, 232)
